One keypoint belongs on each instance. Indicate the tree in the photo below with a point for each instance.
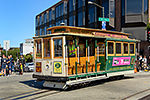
(28, 58)
(14, 52)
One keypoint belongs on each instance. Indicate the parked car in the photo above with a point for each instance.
(29, 67)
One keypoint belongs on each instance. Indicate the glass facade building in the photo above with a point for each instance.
(123, 15)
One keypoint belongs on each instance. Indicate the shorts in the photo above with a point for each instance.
(3, 66)
(9, 67)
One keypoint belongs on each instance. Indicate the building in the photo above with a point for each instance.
(27, 47)
(130, 16)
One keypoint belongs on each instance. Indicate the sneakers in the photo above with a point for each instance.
(140, 71)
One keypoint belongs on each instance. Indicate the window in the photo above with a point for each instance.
(133, 7)
(53, 14)
(65, 22)
(45, 30)
(110, 48)
(132, 49)
(74, 20)
(91, 15)
(50, 15)
(112, 9)
(65, 7)
(46, 47)
(40, 19)
(36, 32)
(44, 17)
(125, 45)
(58, 47)
(105, 4)
(118, 48)
(40, 31)
(38, 48)
(123, 7)
(61, 9)
(145, 6)
(57, 11)
(71, 21)
(74, 4)
(36, 22)
(70, 5)
(80, 3)
(101, 48)
(80, 19)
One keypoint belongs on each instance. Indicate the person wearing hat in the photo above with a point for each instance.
(21, 64)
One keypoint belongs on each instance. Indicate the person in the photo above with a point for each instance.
(21, 64)
(71, 49)
(140, 63)
(144, 62)
(9, 66)
(11, 63)
(3, 71)
(0, 63)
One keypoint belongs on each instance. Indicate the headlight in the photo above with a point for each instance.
(47, 67)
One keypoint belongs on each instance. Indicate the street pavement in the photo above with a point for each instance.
(132, 87)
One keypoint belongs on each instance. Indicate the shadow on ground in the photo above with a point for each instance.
(39, 84)
(33, 83)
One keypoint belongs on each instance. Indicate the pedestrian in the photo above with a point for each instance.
(0, 63)
(21, 64)
(144, 62)
(3, 71)
(11, 63)
(140, 63)
(9, 66)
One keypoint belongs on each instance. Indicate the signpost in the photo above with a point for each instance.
(6, 45)
(103, 25)
(104, 20)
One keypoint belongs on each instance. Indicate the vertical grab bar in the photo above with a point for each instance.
(78, 53)
(97, 53)
(88, 54)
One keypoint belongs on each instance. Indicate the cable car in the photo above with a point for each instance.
(75, 56)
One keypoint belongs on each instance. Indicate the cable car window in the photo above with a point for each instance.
(110, 48)
(57, 47)
(125, 48)
(131, 48)
(118, 48)
(46, 47)
(91, 47)
(101, 48)
(38, 48)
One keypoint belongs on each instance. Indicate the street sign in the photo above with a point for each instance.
(103, 19)
(103, 25)
(6, 45)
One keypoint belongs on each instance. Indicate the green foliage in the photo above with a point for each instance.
(14, 52)
(148, 25)
(28, 58)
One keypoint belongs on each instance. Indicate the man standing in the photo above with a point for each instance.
(72, 49)
(22, 64)
(3, 71)
(11, 63)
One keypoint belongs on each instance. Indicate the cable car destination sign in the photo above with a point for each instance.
(110, 35)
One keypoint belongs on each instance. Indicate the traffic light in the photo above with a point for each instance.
(148, 35)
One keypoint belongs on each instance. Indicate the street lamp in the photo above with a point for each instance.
(89, 2)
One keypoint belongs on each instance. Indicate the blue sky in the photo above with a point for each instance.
(17, 19)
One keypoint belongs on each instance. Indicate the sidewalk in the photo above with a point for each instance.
(17, 73)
